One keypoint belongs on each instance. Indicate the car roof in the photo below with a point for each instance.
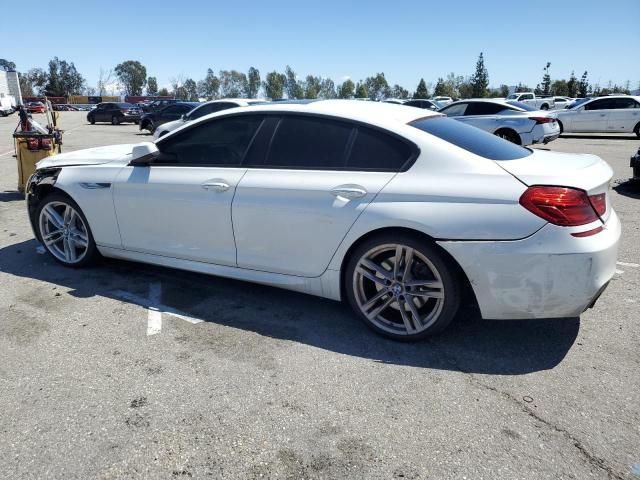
(499, 101)
(378, 113)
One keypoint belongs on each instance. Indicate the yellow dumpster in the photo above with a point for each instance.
(31, 147)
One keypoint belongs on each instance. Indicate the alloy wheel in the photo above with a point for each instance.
(398, 289)
(63, 232)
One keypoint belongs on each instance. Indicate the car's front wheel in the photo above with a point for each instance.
(64, 231)
(402, 286)
(115, 120)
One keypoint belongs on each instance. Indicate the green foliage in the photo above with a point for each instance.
(361, 91)
(560, 88)
(545, 87)
(292, 86)
(572, 86)
(210, 86)
(253, 82)
(163, 92)
(422, 91)
(63, 79)
(327, 89)
(274, 85)
(133, 76)
(522, 88)
(398, 91)
(583, 86)
(191, 90)
(377, 87)
(312, 86)
(479, 81)
(504, 91)
(233, 84)
(152, 86)
(8, 64)
(346, 89)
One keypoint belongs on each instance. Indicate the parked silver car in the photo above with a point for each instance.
(513, 121)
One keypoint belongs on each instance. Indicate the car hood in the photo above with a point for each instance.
(90, 156)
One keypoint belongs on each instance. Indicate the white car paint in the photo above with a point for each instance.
(614, 113)
(286, 228)
(204, 109)
(442, 100)
(502, 116)
(531, 99)
(561, 102)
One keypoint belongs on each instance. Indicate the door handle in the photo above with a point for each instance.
(349, 191)
(603, 114)
(216, 185)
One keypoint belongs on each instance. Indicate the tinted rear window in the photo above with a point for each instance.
(521, 105)
(471, 138)
(126, 105)
(374, 150)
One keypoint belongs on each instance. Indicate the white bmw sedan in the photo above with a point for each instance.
(395, 210)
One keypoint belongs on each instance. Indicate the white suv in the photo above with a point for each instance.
(619, 114)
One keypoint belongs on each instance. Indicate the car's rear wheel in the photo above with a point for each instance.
(637, 130)
(64, 231)
(92, 120)
(402, 287)
(510, 135)
(115, 120)
(561, 127)
(544, 107)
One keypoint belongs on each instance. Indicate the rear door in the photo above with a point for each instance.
(305, 187)
(624, 115)
(99, 113)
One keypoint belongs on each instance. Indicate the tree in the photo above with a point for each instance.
(26, 87)
(133, 76)
(210, 86)
(33, 82)
(312, 86)
(422, 91)
(346, 89)
(560, 88)
(7, 64)
(465, 90)
(152, 86)
(398, 91)
(292, 86)
(163, 92)
(253, 82)
(361, 90)
(440, 88)
(504, 91)
(546, 80)
(63, 79)
(583, 87)
(233, 84)
(190, 90)
(479, 80)
(377, 87)
(177, 84)
(572, 85)
(274, 85)
(327, 89)
(104, 78)
(522, 88)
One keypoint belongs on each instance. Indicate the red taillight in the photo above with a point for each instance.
(124, 110)
(45, 143)
(599, 203)
(542, 119)
(568, 207)
(32, 144)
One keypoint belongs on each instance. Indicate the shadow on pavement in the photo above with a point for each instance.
(11, 196)
(631, 136)
(628, 188)
(469, 345)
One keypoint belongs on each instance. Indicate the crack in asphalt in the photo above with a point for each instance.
(591, 458)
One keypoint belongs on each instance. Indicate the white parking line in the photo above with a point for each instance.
(627, 264)
(156, 309)
(6, 153)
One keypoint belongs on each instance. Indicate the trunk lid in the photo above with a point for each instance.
(97, 155)
(584, 171)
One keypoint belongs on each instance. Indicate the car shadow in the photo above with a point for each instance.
(600, 137)
(628, 188)
(11, 196)
(469, 345)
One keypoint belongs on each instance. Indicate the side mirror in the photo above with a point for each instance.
(143, 153)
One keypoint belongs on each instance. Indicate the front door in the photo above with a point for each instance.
(593, 117)
(180, 205)
(625, 115)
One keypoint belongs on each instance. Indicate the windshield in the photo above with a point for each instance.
(513, 96)
(470, 138)
(577, 103)
(521, 105)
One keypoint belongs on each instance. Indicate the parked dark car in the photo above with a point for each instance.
(158, 104)
(114, 113)
(420, 103)
(150, 121)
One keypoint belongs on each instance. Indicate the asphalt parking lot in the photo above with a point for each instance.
(245, 381)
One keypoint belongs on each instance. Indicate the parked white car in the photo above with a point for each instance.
(531, 99)
(615, 113)
(395, 210)
(562, 102)
(443, 100)
(202, 110)
(510, 120)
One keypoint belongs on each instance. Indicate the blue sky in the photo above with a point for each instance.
(338, 39)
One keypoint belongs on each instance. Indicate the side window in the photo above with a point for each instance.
(602, 104)
(624, 103)
(378, 151)
(455, 110)
(101, 106)
(526, 97)
(184, 108)
(306, 142)
(483, 108)
(220, 142)
(172, 109)
(210, 108)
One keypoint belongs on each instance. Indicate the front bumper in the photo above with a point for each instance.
(550, 274)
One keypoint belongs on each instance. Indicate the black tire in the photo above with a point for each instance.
(91, 253)
(391, 325)
(115, 120)
(544, 106)
(561, 127)
(509, 135)
(637, 130)
(92, 120)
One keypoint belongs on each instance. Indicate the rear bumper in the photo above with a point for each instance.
(550, 274)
